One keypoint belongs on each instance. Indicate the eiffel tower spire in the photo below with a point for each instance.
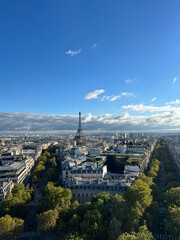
(79, 135)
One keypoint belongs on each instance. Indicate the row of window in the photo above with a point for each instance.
(6, 171)
(86, 171)
(9, 176)
(98, 187)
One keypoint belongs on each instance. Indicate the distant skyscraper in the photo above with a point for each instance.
(79, 135)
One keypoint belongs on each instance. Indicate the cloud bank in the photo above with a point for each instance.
(164, 118)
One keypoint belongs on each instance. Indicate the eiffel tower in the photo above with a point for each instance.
(79, 135)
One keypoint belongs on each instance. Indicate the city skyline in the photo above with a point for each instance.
(115, 61)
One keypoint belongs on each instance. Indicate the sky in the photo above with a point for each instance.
(118, 62)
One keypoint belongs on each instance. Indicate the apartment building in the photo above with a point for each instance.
(5, 188)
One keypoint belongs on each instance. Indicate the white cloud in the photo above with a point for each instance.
(110, 98)
(161, 121)
(95, 45)
(94, 94)
(128, 81)
(144, 108)
(87, 118)
(128, 94)
(153, 99)
(73, 53)
(177, 101)
(174, 79)
(116, 97)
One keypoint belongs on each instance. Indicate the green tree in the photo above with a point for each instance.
(154, 168)
(16, 203)
(53, 162)
(55, 197)
(46, 154)
(146, 179)
(156, 192)
(137, 199)
(92, 223)
(142, 234)
(173, 196)
(37, 173)
(52, 174)
(74, 223)
(47, 220)
(22, 192)
(42, 159)
(173, 221)
(114, 229)
(127, 236)
(10, 228)
(75, 205)
(151, 214)
(170, 177)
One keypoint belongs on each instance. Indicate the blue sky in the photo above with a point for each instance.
(117, 61)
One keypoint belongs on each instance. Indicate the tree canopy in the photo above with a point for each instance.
(55, 197)
(10, 227)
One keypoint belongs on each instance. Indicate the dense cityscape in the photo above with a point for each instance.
(124, 186)
(89, 120)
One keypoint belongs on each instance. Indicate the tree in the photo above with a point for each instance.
(92, 223)
(151, 214)
(52, 174)
(116, 207)
(172, 184)
(157, 194)
(137, 199)
(38, 171)
(173, 196)
(75, 205)
(74, 223)
(138, 192)
(146, 179)
(154, 168)
(170, 177)
(22, 192)
(47, 220)
(142, 234)
(53, 162)
(55, 197)
(16, 203)
(46, 154)
(114, 229)
(10, 227)
(42, 159)
(173, 221)
(127, 236)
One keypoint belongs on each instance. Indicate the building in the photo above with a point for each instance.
(5, 188)
(17, 172)
(84, 191)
